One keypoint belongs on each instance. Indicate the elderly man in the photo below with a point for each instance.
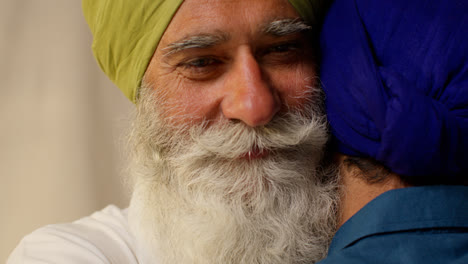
(395, 73)
(226, 143)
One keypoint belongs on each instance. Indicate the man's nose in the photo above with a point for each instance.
(249, 97)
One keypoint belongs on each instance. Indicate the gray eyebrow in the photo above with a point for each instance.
(195, 42)
(278, 28)
(286, 27)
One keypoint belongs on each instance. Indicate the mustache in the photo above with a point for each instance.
(291, 132)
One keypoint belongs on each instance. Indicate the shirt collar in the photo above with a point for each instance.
(406, 209)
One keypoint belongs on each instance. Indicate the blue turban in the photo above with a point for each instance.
(395, 75)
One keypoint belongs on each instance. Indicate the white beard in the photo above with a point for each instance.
(195, 201)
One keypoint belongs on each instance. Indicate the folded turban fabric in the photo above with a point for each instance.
(127, 32)
(395, 74)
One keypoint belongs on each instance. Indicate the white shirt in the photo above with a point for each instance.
(102, 238)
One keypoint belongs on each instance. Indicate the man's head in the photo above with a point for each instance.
(229, 136)
(396, 74)
(126, 34)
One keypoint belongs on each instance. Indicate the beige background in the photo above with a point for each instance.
(61, 120)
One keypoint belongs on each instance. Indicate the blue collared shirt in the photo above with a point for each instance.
(411, 225)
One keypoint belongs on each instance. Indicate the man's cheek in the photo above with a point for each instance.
(297, 89)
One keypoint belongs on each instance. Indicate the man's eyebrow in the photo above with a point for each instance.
(195, 42)
(284, 27)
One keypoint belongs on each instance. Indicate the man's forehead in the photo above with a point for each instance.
(210, 17)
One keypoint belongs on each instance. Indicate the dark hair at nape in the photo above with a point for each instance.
(370, 170)
(374, 172)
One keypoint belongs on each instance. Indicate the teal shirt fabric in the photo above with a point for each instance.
(411, 225)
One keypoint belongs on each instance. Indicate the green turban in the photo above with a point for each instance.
(127, 32)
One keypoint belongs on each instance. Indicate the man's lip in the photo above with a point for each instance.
(255, 154)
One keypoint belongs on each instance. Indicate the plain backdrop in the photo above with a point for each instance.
(61, 121)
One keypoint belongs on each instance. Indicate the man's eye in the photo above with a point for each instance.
(200, 63)
(282, 54)
(287, 47)
(201, 68)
